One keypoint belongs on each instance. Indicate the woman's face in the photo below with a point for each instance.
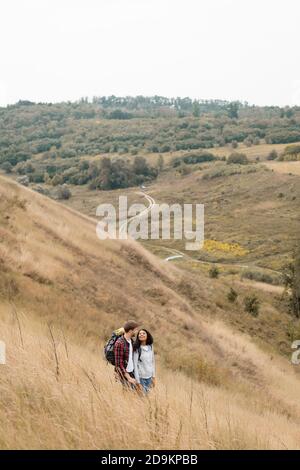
(142, 335)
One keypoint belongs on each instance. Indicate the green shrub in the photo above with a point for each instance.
(262, 277)
(251, 305)
(248, 141)
(24, 168)
(193, 158)
(56, 180)
(283, 136)
(165, 148)
(228, 170)
(292, 150)
(232, 295)
(214, 272)
(292, 283)
(237, 158)
(273, 155)
(37, 178)
(24, 180)
(183, 169)
(119, 114)
(291, 153)
(63, 192)
(7, 167)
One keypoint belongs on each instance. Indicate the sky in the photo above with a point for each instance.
(59, 50)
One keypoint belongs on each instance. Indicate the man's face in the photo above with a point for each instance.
(135, 331)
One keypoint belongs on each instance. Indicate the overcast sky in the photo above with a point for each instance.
(55, 50)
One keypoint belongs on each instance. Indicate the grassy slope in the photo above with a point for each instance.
(262, 151)
(259, 211)
(285, 167)
(217, 388)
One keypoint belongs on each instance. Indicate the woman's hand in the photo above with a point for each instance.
(132, 381)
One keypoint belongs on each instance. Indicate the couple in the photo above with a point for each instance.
(134, 359)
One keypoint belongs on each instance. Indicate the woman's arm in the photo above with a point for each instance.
(153, 360)
(135, 365)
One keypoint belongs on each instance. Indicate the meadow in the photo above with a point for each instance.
(230, 384)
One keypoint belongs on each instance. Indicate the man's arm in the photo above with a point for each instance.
(119, 361)
(119, 356)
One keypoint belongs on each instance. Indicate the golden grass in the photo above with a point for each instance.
(285, 167)
(264, 286)
(261, 150)
(82, 407)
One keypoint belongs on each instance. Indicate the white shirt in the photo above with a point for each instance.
(129, 367)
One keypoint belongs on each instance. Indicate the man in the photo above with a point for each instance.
(124, 355)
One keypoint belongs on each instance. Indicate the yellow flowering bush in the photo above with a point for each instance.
(214, 246)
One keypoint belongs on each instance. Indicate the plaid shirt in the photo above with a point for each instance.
(121, 351)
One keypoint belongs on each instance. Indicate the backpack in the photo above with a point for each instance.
(109, 348)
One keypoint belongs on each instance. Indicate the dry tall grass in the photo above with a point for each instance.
(73, 402)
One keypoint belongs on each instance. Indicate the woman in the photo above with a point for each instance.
(144, 361)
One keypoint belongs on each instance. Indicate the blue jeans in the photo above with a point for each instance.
(146, 384)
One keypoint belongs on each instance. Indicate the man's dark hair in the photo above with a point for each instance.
(130, 325)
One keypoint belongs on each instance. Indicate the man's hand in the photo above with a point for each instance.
(153, 382)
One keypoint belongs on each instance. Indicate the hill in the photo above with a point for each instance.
(62, 291)
(59, 143)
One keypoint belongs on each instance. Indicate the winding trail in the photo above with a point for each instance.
(124, 224)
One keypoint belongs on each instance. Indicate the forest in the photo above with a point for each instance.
(53, 142)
